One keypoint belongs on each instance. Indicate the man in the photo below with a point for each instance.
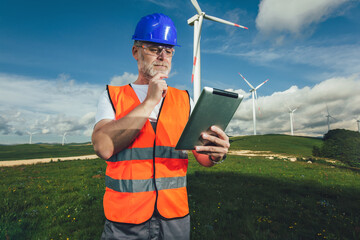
(137, 128)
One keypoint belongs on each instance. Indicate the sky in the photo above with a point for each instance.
(56, 58)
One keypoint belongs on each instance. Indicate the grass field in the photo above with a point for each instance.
(29, 151)
(293, 145)
(242, 198)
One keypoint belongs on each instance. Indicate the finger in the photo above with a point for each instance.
(216, 140)
(164, 92)
(219, 132)
(211, 150)
(160, 76)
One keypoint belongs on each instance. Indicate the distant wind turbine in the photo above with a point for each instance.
(291, 111)
(254, 96)
(358, 122)
(64, 138)
(197, 21)
(30, 133)
(328, 118)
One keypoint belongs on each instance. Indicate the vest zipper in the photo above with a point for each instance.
(154, 178)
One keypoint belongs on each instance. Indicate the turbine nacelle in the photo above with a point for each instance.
(254, 97)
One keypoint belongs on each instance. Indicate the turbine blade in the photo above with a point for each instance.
(196, 47)
(262, 84)
(246, 81)
(223, 21)
(196, 5)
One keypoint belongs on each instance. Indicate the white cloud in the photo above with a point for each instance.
(124, 79)
(50, 107)
(293, 15)
(5, 128)
(341, 58)
(53, 107)
(47, 106)
(165, 4)
(340, 94)
(336, 59)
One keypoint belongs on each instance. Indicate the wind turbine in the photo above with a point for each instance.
(64, 138)
(358, 122)
(197, 21)
(328, 118)
(254, 95)
(30, 133)
(291, 111)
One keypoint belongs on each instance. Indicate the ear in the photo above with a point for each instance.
(135, 52)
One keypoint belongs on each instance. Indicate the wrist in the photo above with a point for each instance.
(217, 162)
(149, 104)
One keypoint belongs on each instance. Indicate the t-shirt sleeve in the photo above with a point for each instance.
(191, 105)
(105, 109)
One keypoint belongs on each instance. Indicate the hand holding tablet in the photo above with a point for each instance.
(214, 107)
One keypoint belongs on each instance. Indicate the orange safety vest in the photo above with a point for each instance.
(149, 174)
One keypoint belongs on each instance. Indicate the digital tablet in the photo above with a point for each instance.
(214, 107)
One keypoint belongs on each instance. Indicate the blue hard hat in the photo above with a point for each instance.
(157, 28)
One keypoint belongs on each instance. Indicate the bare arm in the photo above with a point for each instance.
(112, 136)
(217, 152)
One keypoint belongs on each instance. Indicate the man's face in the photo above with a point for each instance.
(151, 63)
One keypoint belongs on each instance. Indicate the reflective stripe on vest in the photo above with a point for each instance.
(147, 153)
(149, 174)
(146, 185)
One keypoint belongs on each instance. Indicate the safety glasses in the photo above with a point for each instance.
(155, 50)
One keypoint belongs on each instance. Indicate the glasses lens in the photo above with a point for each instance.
(157, 50)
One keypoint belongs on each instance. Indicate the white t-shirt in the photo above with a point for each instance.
(106, 111)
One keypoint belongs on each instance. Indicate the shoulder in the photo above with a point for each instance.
(116, 89)
(104, 97)
(177, 91)
(114, 92)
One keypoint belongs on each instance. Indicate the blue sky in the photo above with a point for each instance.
(57, 56)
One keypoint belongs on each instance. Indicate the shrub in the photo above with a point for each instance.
(340, 144)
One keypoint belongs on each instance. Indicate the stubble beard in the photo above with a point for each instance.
(148, 69)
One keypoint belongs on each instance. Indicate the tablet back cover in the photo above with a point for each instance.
(214, 107)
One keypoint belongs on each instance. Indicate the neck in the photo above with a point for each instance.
(142, 80)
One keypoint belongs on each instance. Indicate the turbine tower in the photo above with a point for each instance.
(358, 122)
(291, 111)
(30, 138)
(328, 116)
(63, 138)
(254, 95)
(197, 21)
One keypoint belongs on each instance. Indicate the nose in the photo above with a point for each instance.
(161, 55)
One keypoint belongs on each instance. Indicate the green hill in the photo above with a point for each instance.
(293, 145)
(30, 151)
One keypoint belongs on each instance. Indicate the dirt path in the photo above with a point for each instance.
(43, 160)
(247, 153)
(266, 154)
